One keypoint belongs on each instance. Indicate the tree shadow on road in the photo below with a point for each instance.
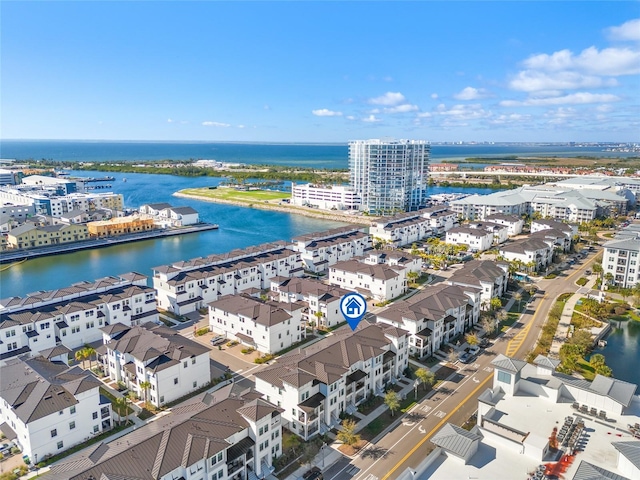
(375, 453)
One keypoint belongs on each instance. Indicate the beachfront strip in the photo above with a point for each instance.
(231, 433)
(537, 423)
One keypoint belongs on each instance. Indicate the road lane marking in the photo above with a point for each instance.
(421, 429)
(434, 429)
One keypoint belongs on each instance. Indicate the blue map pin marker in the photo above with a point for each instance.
(353, 307)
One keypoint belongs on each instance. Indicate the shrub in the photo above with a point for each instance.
(15, 450)
(619, 310)
(581, 281)
(264, 359)
(247, 350)
(202, 331)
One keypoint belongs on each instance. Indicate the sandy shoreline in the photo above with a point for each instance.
(295, 210)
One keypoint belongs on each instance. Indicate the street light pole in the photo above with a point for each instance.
(322, 450)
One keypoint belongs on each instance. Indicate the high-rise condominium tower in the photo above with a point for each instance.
(389, 175)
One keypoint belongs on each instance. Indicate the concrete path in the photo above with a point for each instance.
(562, 331)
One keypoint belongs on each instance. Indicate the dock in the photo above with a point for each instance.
(21, 255)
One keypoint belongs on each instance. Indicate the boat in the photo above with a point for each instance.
(124, 179)
(602, 343)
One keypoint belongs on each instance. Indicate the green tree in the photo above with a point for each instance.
(81, 356)
(425, 376)
(488, 324)
(495, 303)
(121, 406)
(412, 276)
(90, 352)
(347, 433)
(472, 339)
(392, 400)
(596, 360)
(291, 442)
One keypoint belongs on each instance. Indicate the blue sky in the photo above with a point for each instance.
(321, 71)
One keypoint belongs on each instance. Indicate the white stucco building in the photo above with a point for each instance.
(332, 197)
(620, 259)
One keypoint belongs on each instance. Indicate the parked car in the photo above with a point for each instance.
(474, 349)
(466, 358)
(313, 474)
(219, 340)
(587, 272)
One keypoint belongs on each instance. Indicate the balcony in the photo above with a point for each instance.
(105, 412)
(235, 466)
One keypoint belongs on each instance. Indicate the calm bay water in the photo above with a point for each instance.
(239, 227)
(302, 155)
(623, 350)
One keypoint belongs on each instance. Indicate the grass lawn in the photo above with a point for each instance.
(586, 370)
(234, 195)
(112, 398)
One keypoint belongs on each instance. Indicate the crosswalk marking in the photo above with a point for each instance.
(440, 414)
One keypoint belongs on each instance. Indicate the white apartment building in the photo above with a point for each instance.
(411, 263)
(187, 286)
(268, 326)
(527, 409)
(549, 200)
(322, 301)
(403, 229)
(477, 239)
(48, 407)
(229, 434)
(318, 251)
(530, 251)
(434, 316)
(620, 259)
(441, 218)
(313, 386)
(332, 197)
(489, 277)
(389, 176)
(173, 364)
(548, 224)
(378, 281)
(73, 316)
(514, 223)
(168, 216)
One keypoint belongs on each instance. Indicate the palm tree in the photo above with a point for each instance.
(145, 386)
(81, 356)
(392, 400)
(426, 377)
(609, 277)
(121, 405)
(472, 339)
(89, 352)
(518, 298)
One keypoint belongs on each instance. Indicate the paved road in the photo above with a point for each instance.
(456, 399)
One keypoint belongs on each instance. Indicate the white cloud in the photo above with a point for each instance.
(241, 126)
(323, 112)
(533, 81)
(561, 115)
(389, 99)
(267, 107)
(605, 108)
(434, 95)
(463, 112)
(627, 31)
(388, 78)
(571, 99)
(608, 62)
(169, 120)
(215, 124)
(350, 117)
(371, 119)
(404, 108)
(424, 115)
(511, 118)
(470, 93)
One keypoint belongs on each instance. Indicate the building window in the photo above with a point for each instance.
(60, 445)
(195, 384)
(94, 415)
(72, 425)
(72, 409)
(95, 429)
(504, 377)
(175, 381)
(54, 433)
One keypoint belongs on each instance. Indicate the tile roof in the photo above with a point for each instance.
(263, 313)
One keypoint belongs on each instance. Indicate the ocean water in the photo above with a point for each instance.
(332, 156)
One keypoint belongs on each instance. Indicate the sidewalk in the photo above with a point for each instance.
(564, 325)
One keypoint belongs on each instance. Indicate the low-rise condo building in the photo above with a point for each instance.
(120, 226)
(378, 281)
(316, 384)
(320, 250)
(169, 364)
(533, 253)
(73, 316)
(407, 228)
(228, 434)
(48, 407)
(514, 223)
(620, 259)
(30, 235)
(434, 316)
(321, 301)
(477, 239)
(164, 215)
(491, 278)
(187, 286)
(268, 326)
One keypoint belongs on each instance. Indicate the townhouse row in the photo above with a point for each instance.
(407, 228)
(68, 318)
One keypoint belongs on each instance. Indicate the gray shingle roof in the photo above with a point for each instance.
(509, 364)
(615, 389)
(546, 362)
